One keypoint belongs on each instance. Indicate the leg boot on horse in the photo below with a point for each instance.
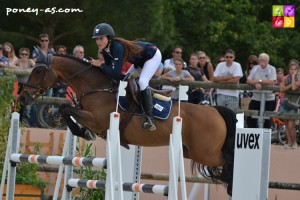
(147, 102)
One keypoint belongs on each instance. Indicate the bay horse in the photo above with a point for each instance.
(208, 133)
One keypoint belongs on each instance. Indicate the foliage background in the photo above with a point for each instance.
(212, 26)
(6, 99)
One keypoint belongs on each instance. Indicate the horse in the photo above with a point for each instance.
(208, 133)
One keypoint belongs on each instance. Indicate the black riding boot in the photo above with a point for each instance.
(147, 102)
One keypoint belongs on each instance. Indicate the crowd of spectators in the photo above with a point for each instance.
(25, 61)
(258, 72)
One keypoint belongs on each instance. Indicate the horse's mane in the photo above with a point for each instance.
(94, 69)
(73, 58)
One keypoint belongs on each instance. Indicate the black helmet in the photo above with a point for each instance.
(103, 29)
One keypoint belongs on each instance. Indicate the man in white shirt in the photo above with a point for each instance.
(228, 72)
(261, 75)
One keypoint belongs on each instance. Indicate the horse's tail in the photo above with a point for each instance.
(224, 173)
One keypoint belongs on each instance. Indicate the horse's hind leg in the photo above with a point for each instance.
(64, 110)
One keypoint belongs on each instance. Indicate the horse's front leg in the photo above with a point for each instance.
(67, 111)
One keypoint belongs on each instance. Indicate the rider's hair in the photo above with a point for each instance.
(131, 48)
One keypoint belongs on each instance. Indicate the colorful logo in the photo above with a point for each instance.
(283, 16)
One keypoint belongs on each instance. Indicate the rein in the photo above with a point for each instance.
(111, 90)
(75, 74)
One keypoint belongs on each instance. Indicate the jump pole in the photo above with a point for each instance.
(131, 168)
(69, 139)
(176, 153)
(13, 145)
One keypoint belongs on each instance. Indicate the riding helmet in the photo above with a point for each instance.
(102, 30)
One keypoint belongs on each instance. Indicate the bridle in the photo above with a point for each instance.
(40, 89)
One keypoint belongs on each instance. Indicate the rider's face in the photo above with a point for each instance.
(102, 42)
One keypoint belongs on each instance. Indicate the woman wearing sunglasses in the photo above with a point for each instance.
(24, 62)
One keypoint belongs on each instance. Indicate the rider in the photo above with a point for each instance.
(116, 51)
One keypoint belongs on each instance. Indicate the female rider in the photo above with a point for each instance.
(116, 51)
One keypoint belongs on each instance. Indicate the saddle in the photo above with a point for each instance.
(134, 90)
(134, 99)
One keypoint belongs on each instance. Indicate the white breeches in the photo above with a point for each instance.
(149, 70)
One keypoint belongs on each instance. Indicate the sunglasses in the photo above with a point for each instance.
(178, 52)
(24, 54)
(229, 57)
(44, 40)
(201, 57)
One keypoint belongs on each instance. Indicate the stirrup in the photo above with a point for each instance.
(148, 124)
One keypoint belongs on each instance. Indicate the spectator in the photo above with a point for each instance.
(196, 95)
(221, 58)
(177, 75)
(205, 65)
(61, 89)
(291, 81)
(3, 59)
(78, 52)
(44, 45)
(261, 75)
(252, 61)
(61, 49)
(10, 54)
(279, 95)
(169, 63)
(24, 62)
(279, 76)
(228, 72)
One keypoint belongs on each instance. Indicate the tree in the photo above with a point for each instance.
(212, 26)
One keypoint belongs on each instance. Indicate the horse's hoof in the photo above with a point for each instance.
(89, 135)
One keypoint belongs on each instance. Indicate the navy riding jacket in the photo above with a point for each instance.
(113, 60)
